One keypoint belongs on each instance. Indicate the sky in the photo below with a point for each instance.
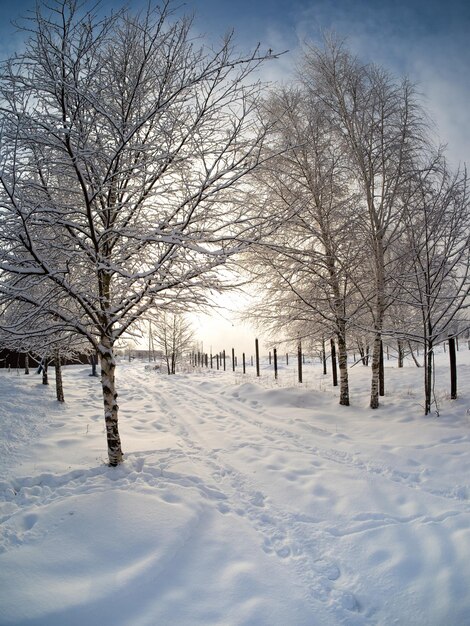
(425, 40)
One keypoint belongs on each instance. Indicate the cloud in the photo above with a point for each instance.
(427, 41)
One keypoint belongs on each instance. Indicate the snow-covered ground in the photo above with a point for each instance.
(240, 502)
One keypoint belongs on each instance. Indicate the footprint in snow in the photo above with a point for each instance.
(283, 552)
(171, 498)
(330, 570)
(347, 600)
(29, 521)
(257, 499)
(223, 508)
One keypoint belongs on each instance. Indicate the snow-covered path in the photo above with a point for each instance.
(236, 505)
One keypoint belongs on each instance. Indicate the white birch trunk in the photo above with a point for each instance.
(108, 367)
(59, 387)
(343, 370)
(378, 322)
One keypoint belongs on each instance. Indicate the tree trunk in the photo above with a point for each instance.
(45, 376)
(108, 367)
(381, 371)
(428, 357)
(363, 352)
(417, 363)
(59, 387)
(26, 364)
(401, 352)
(377, 351)
(343, 371)
(93, 359)
(375, 382)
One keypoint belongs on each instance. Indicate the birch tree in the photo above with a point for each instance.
(173, 334)
(437, 286)
(31, 330)
(303, 268)
(127, 143)
(382, 129)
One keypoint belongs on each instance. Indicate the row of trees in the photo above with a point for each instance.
(135, 162)
(376, 229)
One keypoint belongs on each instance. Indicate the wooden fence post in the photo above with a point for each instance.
(401, 352)
(299, 361)
(453, 369)
(333, 363)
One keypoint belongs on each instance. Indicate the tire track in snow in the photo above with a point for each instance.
(297, 540)
(291, 537)
(412, 480)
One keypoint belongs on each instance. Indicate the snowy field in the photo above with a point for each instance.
(239, 503)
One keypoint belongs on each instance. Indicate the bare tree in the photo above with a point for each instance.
(303, 268)
(173, 334)
(28, 329)
(381, 127)
(437, 237)
(126, 146)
